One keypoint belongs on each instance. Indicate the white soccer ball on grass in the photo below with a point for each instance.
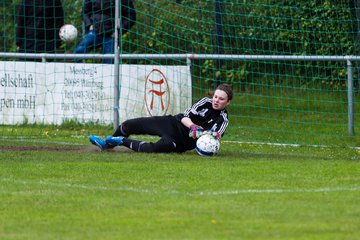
(68, 33)
(207, 145)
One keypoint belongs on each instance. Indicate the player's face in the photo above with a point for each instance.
(220, 100)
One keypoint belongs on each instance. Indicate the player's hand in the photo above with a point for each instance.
(195, 131)
(214, 134)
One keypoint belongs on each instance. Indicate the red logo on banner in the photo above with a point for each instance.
(157, 93)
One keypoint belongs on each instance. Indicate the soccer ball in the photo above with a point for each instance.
(207, 145)
(68, 33)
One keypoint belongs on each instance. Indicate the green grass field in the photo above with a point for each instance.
(248, 191)
(55, 185)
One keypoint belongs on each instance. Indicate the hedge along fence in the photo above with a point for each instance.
(248, 27)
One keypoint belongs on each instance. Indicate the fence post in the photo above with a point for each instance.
(350, 93)
(117, 45)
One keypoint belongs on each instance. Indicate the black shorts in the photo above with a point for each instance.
(173, 134)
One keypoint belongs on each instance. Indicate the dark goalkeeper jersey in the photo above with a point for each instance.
(202, 114)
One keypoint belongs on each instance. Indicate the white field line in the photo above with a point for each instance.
(175, 192)
(282, 144)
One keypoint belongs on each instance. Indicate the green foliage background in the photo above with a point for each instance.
(249, 27)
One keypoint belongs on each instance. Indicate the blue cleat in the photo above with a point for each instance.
(97, 141)
(114, 141)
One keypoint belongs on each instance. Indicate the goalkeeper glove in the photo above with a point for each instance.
(214, 134)
(195, 131)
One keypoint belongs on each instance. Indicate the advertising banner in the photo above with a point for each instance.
(50, 93)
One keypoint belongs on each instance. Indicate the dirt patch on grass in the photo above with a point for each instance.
(42, 148)
(60, 148)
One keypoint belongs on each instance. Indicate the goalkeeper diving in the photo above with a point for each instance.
(178, 133)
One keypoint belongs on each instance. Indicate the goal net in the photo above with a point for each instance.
(292, 65)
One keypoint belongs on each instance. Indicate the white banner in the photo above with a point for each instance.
(50, 93)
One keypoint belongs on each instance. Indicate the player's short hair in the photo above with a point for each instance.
(227, 89)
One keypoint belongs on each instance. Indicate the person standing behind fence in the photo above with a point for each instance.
(99, 19)
(38, 24)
